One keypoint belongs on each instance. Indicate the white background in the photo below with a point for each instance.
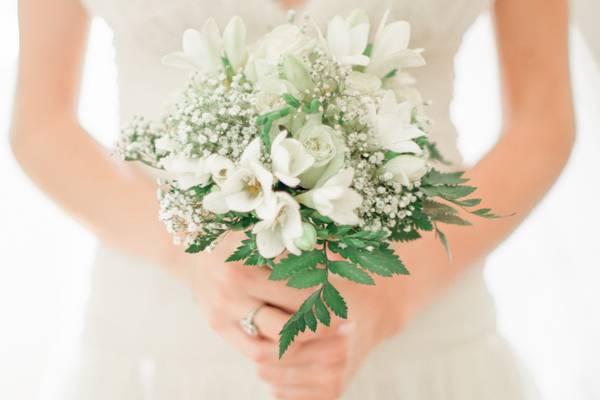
(545, 277)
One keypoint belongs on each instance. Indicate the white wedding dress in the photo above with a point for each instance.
(145, 338)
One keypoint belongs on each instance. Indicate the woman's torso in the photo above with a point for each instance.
(142, 321)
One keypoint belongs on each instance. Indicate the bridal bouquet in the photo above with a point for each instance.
(311, 143)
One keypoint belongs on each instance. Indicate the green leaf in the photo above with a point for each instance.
(308, 279)
(450, 219)
(287, 336)
(398, 235)
(311, 321)
(448, 192)
(294, 264)
(435, 154)
(442, 237)
(242, 252)
(350, 271)
(335, 301)
(485, 213)
(467, 202)
(322, 312)
(291, 100)
(380, 261)
(435, 178)
(431, 207)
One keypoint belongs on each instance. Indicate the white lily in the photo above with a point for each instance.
(280, 226)
(188, 172)
(406, 169)
(392, 123)
(203, 51)
(390, 48)
(335, 199)
(289, 159)
(347, 38)
(246, 188)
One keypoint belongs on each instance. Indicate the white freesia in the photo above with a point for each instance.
(220, 168)
(406, 169)
(289, 159)
(246, 188)
(390, 48)
(335, 199)
(280, 225)
(284, 39)
(392, 125)
(327, 149)
(347, 38)
(234, 43)
(203, 51)
(188, 172)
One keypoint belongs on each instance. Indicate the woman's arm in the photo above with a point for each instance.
(538, 134)
(106, 195)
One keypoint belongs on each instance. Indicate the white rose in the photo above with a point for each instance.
(284, 39)
(326, 147)
(268, 94)
(406, 169)
(363, 82)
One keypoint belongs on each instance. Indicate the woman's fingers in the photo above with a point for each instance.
(255, 348)
(269, 320)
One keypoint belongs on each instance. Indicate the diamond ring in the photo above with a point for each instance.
(247, 323)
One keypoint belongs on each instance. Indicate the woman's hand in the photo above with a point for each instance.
(320, 365)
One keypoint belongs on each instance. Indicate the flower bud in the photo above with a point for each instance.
(296, 73)
(307, 241)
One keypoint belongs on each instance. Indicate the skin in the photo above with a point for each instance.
(537, 138)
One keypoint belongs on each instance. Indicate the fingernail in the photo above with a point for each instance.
(346, 328)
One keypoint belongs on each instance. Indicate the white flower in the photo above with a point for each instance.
(364, 83)
(406, 169)
(165, 144)
(327, 149)
(335, 199)
(403, 86)
(390, 48)
(297, 73)
(289, 159)
(348, 38)
(284, 39)
(234, 43)
(219, 167)
(268, 94)
(203, 51)
(246, 187)
(280, 225)
(188, 172)
(392, 125)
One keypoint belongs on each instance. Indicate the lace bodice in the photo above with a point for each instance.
(145, 30)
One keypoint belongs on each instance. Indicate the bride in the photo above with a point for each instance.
(161, 324)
